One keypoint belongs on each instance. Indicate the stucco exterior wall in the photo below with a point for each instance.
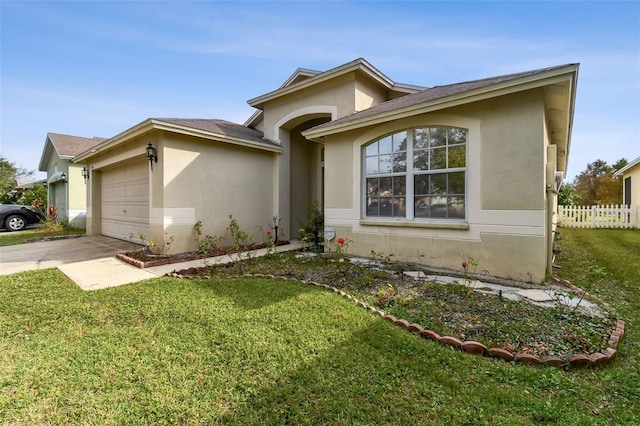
(504, 228)
(208, 181)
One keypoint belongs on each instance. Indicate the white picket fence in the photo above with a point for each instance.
(599, 216)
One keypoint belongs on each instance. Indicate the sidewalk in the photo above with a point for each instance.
(108, 272)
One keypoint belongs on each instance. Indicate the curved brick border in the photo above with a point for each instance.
(596, 359)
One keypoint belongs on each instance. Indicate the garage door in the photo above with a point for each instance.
(125, 201)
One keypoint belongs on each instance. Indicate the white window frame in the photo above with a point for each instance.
(410, 175)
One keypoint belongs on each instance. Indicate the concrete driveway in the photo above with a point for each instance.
(51, 254)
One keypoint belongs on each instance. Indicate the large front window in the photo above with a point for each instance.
(417, 174)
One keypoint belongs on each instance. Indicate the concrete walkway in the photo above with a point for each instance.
(96, 274)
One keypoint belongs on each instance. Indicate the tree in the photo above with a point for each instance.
(597, 185)
(35, 196)
(567, 195)
(9, 175)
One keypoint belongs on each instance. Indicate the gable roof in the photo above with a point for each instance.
(65, 146)
(560, 87)
(205, 128)
(303, 78)
(295, 83)
(627, 167)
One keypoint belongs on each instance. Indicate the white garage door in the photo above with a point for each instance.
(125, 201)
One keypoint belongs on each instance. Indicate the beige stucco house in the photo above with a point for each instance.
(436, 175)
(630, 183)
(66, 188)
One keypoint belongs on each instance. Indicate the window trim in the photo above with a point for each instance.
(410, 220)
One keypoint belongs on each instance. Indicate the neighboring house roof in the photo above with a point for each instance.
(65, 146)
(561, 80)
(211, 129)
(627, 167)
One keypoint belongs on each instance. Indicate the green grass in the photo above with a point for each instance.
(263, 351)
(13, 238)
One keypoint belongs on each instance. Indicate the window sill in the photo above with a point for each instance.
(458, 224)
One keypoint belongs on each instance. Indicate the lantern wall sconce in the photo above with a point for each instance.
(152, 155)
(45, 184)
(63, 178)
(85, 174)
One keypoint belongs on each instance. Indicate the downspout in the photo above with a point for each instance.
(551, 192)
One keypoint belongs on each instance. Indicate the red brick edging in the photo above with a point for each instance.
(596, 359)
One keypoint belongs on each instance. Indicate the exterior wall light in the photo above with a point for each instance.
(152, 155)
(63, 177)
(85, 174)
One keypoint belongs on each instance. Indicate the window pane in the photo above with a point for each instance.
(421, 139)
(457, 156)
(385, 207)
(421, 184)
(385, 186)
(421, 159)
(438, 136)
(438, 158)
(385, 164)
(399, 209)
(372, 187)
(400, 142)
(438, 207)
(372, 206)
(385, 145)
(371, 165)
(421, 207)
(400, 162)
(456, 207)
(456, 183)
(371, 149)
(457, 136)
(438, 184)
(399, 185)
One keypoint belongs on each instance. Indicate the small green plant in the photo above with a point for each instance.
(386, 296)
(468, 281)
(151, 247)
(241, 239)
(208, 243)
(342, 246)
(310, 230)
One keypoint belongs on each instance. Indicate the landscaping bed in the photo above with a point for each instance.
(515, 327)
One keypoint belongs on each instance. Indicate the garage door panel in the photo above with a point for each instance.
(125, 201)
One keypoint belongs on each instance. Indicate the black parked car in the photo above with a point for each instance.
(15, 217)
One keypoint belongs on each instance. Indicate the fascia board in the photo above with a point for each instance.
(151, 124)
(253, 119)
(135, 131)
(627, 167)
(189, 131)
(46, 154)
(475, 95)
(359, 64)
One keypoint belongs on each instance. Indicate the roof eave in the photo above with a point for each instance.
(499, 89)
(154, 124)
(627, 167)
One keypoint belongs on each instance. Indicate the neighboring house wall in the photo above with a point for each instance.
(505, 220)
(634, 175)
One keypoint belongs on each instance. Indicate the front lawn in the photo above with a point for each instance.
(268, 351)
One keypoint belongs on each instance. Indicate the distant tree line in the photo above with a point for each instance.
(596, 185)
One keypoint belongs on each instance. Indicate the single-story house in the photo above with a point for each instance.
(433, 175)
(631, 183)
(66, 188)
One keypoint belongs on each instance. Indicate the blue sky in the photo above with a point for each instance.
(96, 68)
